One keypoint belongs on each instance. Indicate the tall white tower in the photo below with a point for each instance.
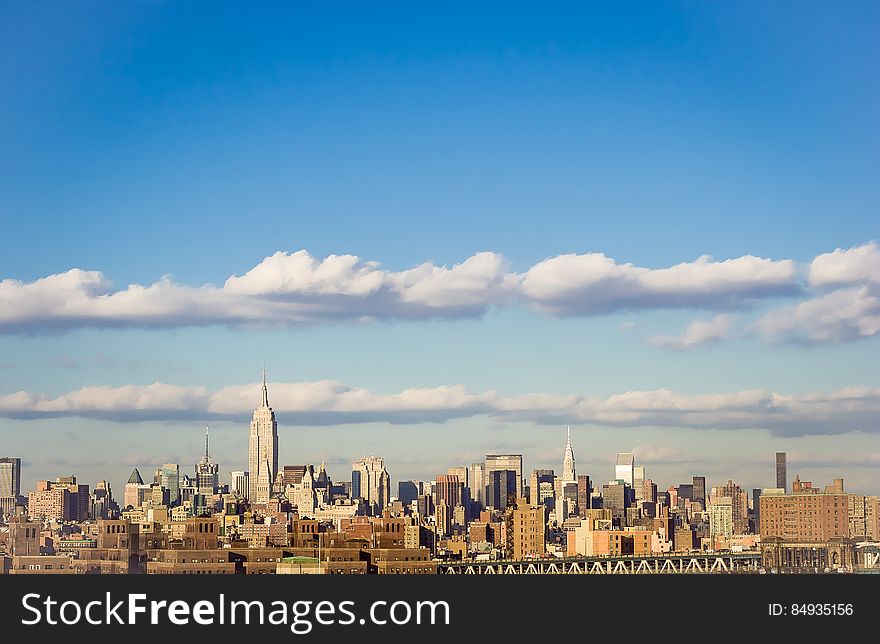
(568, 472)
(262, 450)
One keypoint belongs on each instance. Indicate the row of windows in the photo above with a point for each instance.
(200, 572)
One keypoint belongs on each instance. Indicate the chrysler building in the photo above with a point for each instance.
(568, 472)
(262, 450)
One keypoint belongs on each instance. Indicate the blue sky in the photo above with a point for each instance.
(194, 140)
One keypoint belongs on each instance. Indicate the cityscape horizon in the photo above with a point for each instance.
(581, 287)
(337, 466)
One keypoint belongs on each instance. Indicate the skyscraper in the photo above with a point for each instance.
(371, 481)
(568, 469)
(501, 489)
(623, 470)
(721, 518)
(739, 501)
(542, 488)
(132, 489)
(10, 476)
(10, 484)
(207, 480)
(462, 473)
(262, 450)
(498, 462)
(756, 509)
(169, 478)
(583, 494)
(240, 484)
(781, 481)
(699, 486)
(639, 483)
(408, 491)
(449, 490)
(478, 483)
(101, 501)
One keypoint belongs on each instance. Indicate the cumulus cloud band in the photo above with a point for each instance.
(298, 288)
(330, 402)
(842, 290)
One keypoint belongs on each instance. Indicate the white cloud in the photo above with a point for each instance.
(282, 289)
(571, 285)
(849, 312)
(698, 333)
(331, 403)
(857, 265)
(298, 288)
(839, 316)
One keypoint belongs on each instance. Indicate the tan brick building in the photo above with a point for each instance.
(526, 530)
(807, 514)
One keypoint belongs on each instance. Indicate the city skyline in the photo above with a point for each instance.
(476, 514)
(447, 233)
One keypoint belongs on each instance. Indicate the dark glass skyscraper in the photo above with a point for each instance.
(699, 490)
(781, 481)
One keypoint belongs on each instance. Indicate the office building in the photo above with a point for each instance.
(806, 514)
(864, 517)
(101, 503)
(207, 472)
(739, 505)
(463, 475)
(130, 496)
(60, 500)
(512, 462)
(168, 477)
(639, 483)
(649, 491)
(623, 470)
(370, 481)
(542, 488)
(720, 518)
(781, 480)
(501, 489)
(240, 485)
(262, 450)
(478, 484)
(10, 476)
(683, 492)
(615, 496)
(699, 490)
(448, 490)
(408, 491)
(526, 528)
(756, 510)
(584, 492)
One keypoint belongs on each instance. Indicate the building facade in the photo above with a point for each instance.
(262, 450)
(498, 462)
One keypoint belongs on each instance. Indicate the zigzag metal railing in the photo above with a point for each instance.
(725, 563)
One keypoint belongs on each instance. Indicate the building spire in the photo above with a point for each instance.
(265, 389)
(206, 442)
(568, 468)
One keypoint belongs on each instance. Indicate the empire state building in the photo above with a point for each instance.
(262, 450)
